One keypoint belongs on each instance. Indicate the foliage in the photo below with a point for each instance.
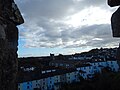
(105, 81)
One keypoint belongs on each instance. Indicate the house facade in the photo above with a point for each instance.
(54, 78)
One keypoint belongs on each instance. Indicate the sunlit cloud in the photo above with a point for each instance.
(66, 24)
(89, 16)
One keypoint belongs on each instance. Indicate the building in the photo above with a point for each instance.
(50, 80)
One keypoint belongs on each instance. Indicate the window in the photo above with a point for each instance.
(27, 87)
(52, 64)
(61, 64)
(67, 65)
(38, 84)
(43, 83)
(43, 72)
(68, 81)
(113, 69)
(43, 87)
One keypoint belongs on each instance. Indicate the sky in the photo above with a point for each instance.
(64, 27)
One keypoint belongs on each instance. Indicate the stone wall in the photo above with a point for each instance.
(115, 22)
(10, 17)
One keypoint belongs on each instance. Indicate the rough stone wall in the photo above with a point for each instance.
(118, 54)
(10, 17)
(115, 22)
(115, 19)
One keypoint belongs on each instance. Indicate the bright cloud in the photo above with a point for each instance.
(66, 23)
(89, 16)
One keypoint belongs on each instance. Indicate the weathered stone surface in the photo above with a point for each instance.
(115, 19)
(115, 23)
(113, 3)
(9, 17)
(118, 54)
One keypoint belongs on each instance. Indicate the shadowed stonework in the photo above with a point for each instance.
(115, 22)
(10, 17)
(115, 19)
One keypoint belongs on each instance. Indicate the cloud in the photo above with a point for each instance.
(66, 23)
(46, 8)
(94, 2)
(93, 36)
(56, 8)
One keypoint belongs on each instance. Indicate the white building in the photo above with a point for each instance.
(52, 79)
(25, 86)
